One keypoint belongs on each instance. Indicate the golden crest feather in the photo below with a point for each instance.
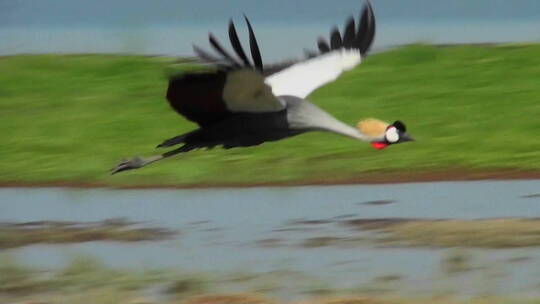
(372, 127)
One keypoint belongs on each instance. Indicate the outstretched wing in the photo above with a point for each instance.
(343, 53)
(237, 84)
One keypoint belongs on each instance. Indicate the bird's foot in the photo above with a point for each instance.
(134, 163)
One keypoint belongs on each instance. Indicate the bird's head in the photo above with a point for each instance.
(384, 134)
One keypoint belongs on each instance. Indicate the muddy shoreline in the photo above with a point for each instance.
(20, 234)
(363, 179)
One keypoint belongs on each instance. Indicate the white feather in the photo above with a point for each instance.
(245, 91)
(305, 77)
(392, 135)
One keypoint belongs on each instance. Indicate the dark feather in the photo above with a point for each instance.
(254, 46)
(221, 50)
(237, 46)
(335, 39)
(209, 58)
(362, 27)
(366, 30)
(349, 34)
(198, 96)
(227, 61)
(323, 45)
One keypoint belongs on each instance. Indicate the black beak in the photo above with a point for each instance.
(405, 137)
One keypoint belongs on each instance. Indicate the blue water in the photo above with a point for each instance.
(265, 207)
(220, 230)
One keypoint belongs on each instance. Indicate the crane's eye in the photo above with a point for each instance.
(399, 125)
(392, 135)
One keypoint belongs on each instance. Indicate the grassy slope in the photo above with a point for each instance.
(71, 118)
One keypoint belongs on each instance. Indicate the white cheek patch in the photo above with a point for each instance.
(392, 135)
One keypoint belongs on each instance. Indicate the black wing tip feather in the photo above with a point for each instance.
(254, 46)
(352, 38)
(349, 33)
(323, 45)
(335, 38)
(224, 59)
(236, 44)
(226, 56)
(366, 34)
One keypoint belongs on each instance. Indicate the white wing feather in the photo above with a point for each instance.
(305, 77)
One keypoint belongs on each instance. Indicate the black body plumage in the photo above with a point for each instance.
(223, 101)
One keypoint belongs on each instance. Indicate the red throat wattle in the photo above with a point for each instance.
(379, 145)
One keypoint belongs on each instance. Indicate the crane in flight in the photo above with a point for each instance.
(244, 103)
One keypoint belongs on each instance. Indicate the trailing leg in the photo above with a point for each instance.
(138, 162)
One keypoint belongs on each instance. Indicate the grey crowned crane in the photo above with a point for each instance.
(244, 103)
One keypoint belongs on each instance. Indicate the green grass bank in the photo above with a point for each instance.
(474, 110)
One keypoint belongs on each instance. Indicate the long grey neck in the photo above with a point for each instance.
(303, 115)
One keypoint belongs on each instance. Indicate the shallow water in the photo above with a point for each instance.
(221, 230)
(156, 40)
